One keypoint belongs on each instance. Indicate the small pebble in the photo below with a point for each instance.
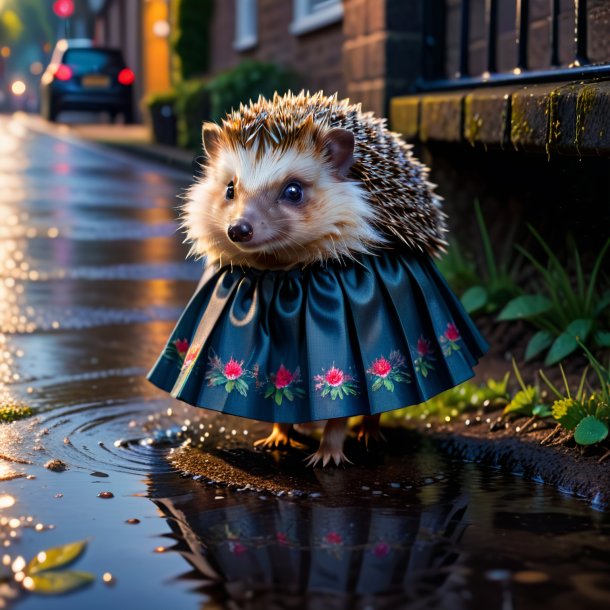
(108, 578)
(219, 497)
(105, 495)
(497, 575)
(56, 466)
(132, 521)
(98, 474)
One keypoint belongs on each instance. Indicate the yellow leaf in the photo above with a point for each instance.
(55, 557)
(56, 583)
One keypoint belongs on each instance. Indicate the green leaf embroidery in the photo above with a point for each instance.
(278, 397)
(229, 386)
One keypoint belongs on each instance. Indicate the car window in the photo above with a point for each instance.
(93, 59)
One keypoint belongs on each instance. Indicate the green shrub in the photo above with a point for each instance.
(484, 286)
(566, 309)
(246, 82)
(12, 411)
(191, 39)
(192, 109)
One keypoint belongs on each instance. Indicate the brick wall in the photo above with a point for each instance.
(381, 49)
(539, 35)
(315, 56)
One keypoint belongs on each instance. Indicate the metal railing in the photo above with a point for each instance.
(434, 51)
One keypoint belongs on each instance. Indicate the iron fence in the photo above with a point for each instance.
(435, 37)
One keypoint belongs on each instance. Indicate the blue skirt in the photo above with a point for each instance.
(361, 338)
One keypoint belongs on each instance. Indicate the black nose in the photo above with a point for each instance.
(240, 230)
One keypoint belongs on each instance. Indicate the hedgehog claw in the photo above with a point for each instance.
(279, 437)
(325, 455)
(369, 430)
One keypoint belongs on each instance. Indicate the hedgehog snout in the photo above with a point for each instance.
(240, 230)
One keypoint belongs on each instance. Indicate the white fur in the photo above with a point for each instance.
(341, 226)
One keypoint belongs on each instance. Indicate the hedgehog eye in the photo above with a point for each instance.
(230, 190)
(292, 193)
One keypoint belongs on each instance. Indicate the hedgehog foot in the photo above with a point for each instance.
(279, 437)
(331, 445)
(369, 430)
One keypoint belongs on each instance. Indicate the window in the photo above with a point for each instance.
(246, 30)
(310, 15)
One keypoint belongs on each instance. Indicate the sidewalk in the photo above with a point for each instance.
(135, 139)
(131, 139)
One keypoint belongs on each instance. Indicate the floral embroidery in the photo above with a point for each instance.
(182, 347)
(423, 361)
(230, 374)
(333, 538)
(177, 350)
(281, 538)
(282, 384)
(388, 371)
(449, 340)
(381, 549)
(335, 382)
(191, 356)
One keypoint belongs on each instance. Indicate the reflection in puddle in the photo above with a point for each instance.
(470, 541)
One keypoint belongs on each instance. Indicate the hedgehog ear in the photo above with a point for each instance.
(339, 143)
(211, 135)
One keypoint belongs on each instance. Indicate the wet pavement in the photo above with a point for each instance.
(92, 279)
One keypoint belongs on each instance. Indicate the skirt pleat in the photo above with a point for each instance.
(377, 334)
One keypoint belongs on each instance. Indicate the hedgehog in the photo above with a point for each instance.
(320, 299)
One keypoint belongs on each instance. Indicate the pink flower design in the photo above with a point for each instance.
(230, 375)
(452, 333)
(233, 369)
(281, 538)
(182, 347)
(381, 549)
(423, 346)
(237, 548)
(190, 357)
(423, 363)
(335, 382)
(389, 371)
(283, 377)
(449, 340)
(381, 367)
(334, 376)
(284, 383)
(333, 538)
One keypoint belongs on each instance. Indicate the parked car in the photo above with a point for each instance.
(82, 76)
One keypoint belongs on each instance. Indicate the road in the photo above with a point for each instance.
(92, 279)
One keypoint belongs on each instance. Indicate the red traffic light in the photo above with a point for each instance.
(63, 8)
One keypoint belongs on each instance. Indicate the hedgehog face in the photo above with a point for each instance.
(277, 207)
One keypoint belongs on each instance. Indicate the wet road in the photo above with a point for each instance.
(92, 279)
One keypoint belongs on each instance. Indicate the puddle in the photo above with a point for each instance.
(88, 299)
